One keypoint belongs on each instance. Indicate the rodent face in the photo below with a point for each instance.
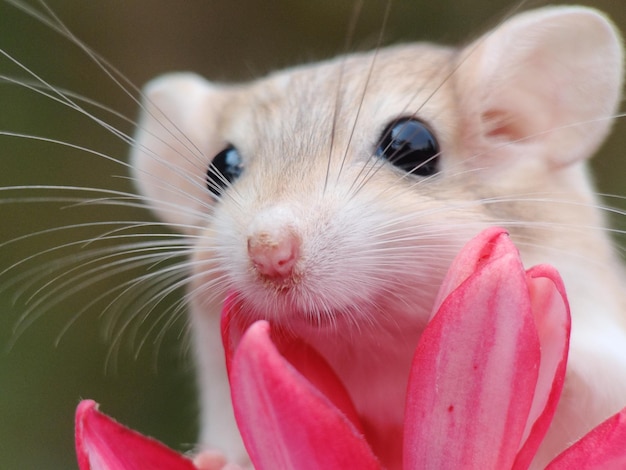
(317, 229)
(311, 180)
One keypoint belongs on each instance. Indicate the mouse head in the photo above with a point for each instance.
(341, 190)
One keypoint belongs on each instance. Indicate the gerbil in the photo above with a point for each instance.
(294, 194)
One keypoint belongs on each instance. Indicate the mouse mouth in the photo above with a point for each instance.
(238, 315)
(288, 314)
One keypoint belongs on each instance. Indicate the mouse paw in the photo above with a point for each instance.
(214, 460)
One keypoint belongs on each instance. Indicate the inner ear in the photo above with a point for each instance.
(500, 124)
(547, 80)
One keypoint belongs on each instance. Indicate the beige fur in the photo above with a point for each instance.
(516, 114)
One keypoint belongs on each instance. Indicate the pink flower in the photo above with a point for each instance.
(103, 444)
(488, 371)
(485, 381)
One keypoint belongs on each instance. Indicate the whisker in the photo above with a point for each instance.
(368, 78)
(358, 6)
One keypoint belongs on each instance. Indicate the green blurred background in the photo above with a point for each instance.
(151, 389)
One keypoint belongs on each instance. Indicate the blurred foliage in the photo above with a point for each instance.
(152, 389)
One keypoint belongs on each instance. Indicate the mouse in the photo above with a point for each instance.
(331, 198)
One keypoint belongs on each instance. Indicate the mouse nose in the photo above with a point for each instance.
(274, 254)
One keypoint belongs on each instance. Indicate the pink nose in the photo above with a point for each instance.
(274, 255)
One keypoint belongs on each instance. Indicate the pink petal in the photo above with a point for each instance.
(104, 444)
(485, 247)
(232, 326)
(475, 369)
(300, 355)
(603, 448)
(285, 422)
(552, 317)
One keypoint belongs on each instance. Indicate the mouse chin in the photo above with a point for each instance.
(294, 313)
(318, 314)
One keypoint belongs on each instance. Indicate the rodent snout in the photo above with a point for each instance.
(274, 254)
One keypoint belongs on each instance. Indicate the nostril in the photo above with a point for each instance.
(274, 254)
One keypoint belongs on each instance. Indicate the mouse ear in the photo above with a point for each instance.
(544, 83)
(175, 141)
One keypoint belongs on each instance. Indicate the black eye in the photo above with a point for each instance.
(225, 168)
(411, 146)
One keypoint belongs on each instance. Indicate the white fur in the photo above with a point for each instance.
(516, 114)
